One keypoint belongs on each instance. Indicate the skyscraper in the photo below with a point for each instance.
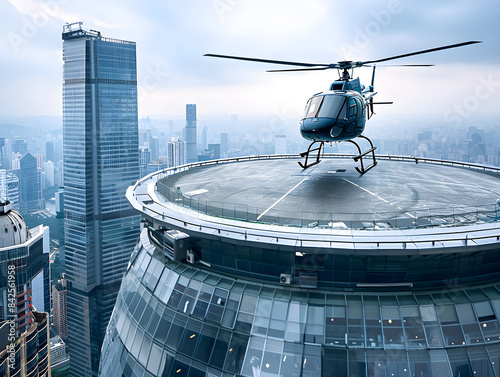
(320, 280)
(25, 258)
(191, 145)
(176, 152)
(30, 186)
(100, 127)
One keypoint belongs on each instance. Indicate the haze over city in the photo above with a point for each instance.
(172, 37)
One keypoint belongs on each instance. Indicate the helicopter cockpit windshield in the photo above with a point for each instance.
(326, 106)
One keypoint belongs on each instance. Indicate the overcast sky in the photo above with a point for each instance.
(172, 36)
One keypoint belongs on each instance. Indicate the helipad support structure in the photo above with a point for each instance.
(254, 267)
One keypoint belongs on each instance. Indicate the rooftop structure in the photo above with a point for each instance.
(253, 266)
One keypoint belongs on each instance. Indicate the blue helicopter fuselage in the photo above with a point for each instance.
(334, 115)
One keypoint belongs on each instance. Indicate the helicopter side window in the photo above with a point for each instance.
(361, 109)
(313, 106)
(353, 108)
(333, 107)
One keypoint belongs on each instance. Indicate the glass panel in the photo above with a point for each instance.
(190, 338)
(466, 313)
(243, 323)
(494, 353)
(397, 364)
(453, 335)
(176, 330)
(291, 362)
(314, 324)
(297, 315)
(375, 363)
(334, 362)
(374, 337)
(491, 330)
(428, 313)
(251, 365)
(220, 348)
(480, 362)
(217, 304)
(236, 353)
(447, 314)
(262, 315)
(272, 357)
(472, 333)
(311, 366)
(439, 363)
(484, 311)
(248, 304)
(459, 362)
(206, 342)
(357, 364)
(356, 336)
(419, 363)
(434, 337)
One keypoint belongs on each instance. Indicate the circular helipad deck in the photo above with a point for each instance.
(394, 193)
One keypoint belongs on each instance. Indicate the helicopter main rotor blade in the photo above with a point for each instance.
(298, 69)
(405, 65)
(268, 61)
(421, 52)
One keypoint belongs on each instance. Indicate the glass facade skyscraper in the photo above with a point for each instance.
(191, 143)
(100, 161)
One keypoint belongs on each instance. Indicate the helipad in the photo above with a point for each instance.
(395, 194)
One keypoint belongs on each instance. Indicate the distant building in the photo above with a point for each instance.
(30, 185)
(59, 307)
(154, 146)
(9, 188)
(176, 152)
(39, 160)
(204, 138)
(59, 359)
(49, 151)
(3, 154)
(191, 144)
(211, 153)
(224, 144)
(49, 170)
(144, 160)
(20, 146)
(31, 349)
(280, 144)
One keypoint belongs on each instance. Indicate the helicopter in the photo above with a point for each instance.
(340, 113)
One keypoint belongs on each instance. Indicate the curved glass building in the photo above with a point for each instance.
(253, 267)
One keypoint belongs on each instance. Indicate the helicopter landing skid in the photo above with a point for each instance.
(362, 170)
(305, 165)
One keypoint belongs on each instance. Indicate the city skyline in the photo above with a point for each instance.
(177, 73)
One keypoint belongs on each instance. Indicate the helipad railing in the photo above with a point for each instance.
(435, 217)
